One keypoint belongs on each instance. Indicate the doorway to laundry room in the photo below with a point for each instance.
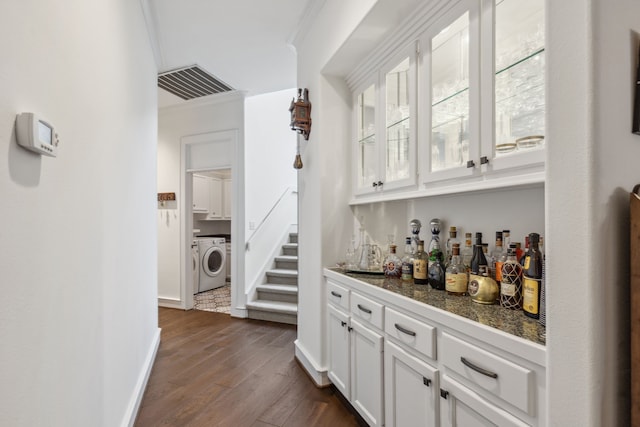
(212, 199)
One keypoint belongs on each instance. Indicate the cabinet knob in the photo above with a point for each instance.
(375, 184)
(444, 393)
(484, 160)
(471, 164)
(380, 183)
(426, 381)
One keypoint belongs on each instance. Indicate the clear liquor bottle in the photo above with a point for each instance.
(436, 269)
(532, 275)
(456, 276)
(435, 239)
(420, 264)
(452, 240)
(392, 265)
(466, 253)
(407, 261)
(511, 283)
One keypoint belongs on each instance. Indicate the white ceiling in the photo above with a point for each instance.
(244, 43)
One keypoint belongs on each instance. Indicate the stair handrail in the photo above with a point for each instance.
(289, 189)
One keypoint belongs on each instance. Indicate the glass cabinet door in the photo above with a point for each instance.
(367, 153)
(450, 107)
(519, 76)
(398, 156)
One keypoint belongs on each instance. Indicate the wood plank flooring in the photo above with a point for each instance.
(214, 370)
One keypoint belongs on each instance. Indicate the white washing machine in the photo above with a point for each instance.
(213, 268)
(195, 260)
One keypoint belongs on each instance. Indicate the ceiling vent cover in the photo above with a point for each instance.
(191, 82)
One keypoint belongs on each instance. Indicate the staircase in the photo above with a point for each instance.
(277, 299)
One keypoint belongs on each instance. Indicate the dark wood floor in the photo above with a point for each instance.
(214, 370)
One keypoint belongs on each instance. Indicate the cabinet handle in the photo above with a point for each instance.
(349, 328)
(405, 331)
(478, 369)
(335, 294)
(471, 164)
(343, 324)
(484, 160)
(375, 184)
(380, 183)
(444, 393)
(426, 381)
(365, 309)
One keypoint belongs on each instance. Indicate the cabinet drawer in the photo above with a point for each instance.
(411, 332)
(367, 310)
(337, 295)
(495, 374)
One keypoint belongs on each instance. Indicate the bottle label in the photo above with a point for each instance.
(526, 262)
(420, 269)
(407, 271)
(499, 271)
(457, 282)
(531, 293)
(508, 289)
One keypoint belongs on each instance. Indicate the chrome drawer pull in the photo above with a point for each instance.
(335, 294)
(405, 331)
(478, 369)
(365, 309)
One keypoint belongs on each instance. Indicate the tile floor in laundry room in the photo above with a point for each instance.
(217, 300)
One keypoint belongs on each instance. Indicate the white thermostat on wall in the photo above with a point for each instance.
(36, 134)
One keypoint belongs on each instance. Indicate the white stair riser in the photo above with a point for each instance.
(280, 280)
(287, 265)
(293, 238)
(273, 317)
(277, 296)
(289, 251)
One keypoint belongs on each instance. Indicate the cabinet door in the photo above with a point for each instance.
(215, 201)
(411, 390)
(462, 407)
(200, 193)
(518, 86)
(452, 73)
(366, 373)
(226, 199)
(366, 154)
(339, 360)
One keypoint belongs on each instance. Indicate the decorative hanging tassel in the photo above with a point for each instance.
(297, 163)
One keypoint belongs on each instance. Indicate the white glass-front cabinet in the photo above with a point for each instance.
(385, 149)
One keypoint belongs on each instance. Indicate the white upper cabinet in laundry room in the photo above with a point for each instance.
(385, 147)
(485, 113)
(200, 194)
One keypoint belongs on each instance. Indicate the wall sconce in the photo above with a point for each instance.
(300, 110)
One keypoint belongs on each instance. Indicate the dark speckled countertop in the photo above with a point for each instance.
(510, 321)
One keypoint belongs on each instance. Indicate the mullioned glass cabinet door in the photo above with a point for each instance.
(366, 147)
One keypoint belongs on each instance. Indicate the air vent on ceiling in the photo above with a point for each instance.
(191, 82)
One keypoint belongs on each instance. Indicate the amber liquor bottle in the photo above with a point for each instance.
(532, 275)
(479, 264)
(456, 275)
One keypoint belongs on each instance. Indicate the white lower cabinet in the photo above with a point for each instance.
(355, 364)
(411, 390)
(462, 407)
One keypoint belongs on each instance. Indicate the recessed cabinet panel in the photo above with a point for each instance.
(337, 295)
(366, 373)
(339, 342)
(411, 390)
(367, 310)
(410, 332)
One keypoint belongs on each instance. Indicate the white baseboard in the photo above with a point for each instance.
(170, 303)
(141, 385)
(319, 376)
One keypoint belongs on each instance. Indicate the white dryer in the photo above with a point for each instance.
(195, 261)
(213, 269)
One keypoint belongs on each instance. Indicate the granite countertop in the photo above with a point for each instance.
(510, 321)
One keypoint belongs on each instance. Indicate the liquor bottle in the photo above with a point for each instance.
(479, 264)
(456, 275)
(532, 274)
(519, 252)
(511, 283)
(436, 269)
(407, 261)
(485, 250)
(506, 239)
(435, 240)
(452, 240)
(526, 249)
(543, 295)
(415, 225)
(392, 265)
(467, 252)
(496, 254)
(420, 263)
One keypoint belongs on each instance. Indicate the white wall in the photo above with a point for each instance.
(270, 151)
(209, 114)
(592, 169)
(78, 321)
